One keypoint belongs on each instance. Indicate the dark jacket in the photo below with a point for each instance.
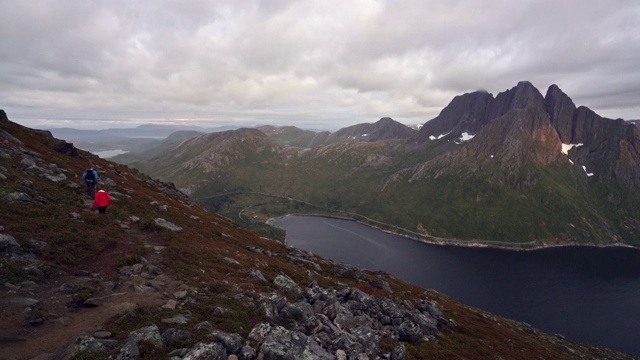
(95, 176)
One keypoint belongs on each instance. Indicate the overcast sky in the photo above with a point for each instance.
(314, 64)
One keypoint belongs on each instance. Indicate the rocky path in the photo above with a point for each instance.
(41, 319)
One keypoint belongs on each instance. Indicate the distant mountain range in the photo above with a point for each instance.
(519, 168)
(137, 139)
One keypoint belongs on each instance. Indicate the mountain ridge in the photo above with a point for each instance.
(510, 147)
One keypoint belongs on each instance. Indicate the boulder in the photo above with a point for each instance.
(231, 342)
(167, 225)
(201, 351)
(84, 344)
(172, 335)
(8, 244)
(16, 197)
(130, 350)
(287, 284)
(280, 343)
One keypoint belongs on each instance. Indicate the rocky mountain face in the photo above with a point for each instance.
(608, 148)
(159, 276)
(472, 111)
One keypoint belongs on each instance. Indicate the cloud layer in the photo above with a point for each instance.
(318, 64)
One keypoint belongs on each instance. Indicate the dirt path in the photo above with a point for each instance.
(46, 328)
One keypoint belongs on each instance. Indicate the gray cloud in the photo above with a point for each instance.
(306, 63)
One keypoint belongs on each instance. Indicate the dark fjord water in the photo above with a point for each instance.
(587, 294)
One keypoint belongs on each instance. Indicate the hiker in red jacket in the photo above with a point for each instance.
(102, 200)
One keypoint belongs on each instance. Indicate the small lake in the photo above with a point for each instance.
(106, 154)
(587, 294)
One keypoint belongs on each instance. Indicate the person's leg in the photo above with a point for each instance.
(91, 190)
(102, 209)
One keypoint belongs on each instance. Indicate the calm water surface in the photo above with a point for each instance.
(588, 294)
(106, 154)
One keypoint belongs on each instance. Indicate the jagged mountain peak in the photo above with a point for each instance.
(560, 108)
(470, 112)
(608, 148)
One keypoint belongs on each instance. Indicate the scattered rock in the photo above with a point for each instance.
(144, 288)
(174, 335)
(16, 197)
(280, 343)
(231, 261)
(203, 351)
(170, 305)
(231, 342)
(287, 284)
(102, 334)
(256, 274)
(130, 349)
(180, 294)
(8, 244)
(167, 225)
(10, 286)
(84, 344)
(178, 319)
(56, 178)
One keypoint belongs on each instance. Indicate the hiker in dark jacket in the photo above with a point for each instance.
(91, 179)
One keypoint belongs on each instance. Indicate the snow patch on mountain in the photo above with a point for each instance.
(567, 147)
(464, 137)
(439, 136)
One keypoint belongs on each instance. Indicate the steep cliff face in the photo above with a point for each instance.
(464, 113)
(610, 148)
(472, 111)
(560, 109)
(526, 136)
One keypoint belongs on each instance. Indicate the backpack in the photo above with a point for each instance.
(90, 175)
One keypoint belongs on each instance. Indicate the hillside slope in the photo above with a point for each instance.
(158, 275)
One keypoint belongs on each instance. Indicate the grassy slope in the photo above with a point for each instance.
(558, 207)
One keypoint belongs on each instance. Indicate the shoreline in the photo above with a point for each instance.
(431, 240)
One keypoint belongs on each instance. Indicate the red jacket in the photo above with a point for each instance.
(101, 199)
